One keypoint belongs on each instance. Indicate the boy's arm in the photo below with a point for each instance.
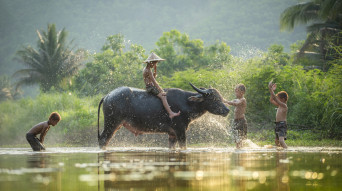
(272, 86)
(225, 101)
(155, 71)
(273, 99)
(278, 102)
(154, 81)
(42, 135)
(235, 102)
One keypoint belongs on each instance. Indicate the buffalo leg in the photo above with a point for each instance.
(172, 141)
(110, 127)
(181, 138)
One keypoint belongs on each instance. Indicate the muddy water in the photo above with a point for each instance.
(160, 169)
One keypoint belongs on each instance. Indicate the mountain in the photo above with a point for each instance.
(244, 25)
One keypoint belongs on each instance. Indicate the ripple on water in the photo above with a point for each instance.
(251, 149)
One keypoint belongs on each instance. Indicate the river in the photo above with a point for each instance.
(140, 168)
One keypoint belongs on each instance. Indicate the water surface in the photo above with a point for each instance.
(133, 168)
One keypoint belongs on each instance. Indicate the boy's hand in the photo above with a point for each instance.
(163, 94)
(272, 86)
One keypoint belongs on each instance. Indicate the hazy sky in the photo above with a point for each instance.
(242, 24)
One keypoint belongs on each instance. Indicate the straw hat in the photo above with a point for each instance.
(153, 57)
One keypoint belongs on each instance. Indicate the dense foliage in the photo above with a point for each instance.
(324, 19)
(51, 63)
(314, 96)
(117, 65)
(74, 89)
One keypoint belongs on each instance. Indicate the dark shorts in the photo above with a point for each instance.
(239, 130)
(34, 142)
(280, 129)
(152, 90)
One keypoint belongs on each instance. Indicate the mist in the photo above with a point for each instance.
(241, 24)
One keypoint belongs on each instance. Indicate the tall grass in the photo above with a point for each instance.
(79, 116)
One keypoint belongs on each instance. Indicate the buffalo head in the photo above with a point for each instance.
(211, 100)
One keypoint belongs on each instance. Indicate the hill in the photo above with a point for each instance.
(242, 24)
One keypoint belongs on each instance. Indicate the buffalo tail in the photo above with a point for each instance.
(98, 120)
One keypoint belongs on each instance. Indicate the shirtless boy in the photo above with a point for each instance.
(41, 128)
(280, 101)
(239, 128)
(152, 85)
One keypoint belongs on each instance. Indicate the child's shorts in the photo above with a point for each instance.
(152, 89)
(280, 129)
(34, 142)
(239, 130)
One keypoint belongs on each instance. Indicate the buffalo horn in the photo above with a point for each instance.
(198, 90)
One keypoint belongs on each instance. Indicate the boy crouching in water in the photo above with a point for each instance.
(279, 100)
(41, 128)
(239, 128)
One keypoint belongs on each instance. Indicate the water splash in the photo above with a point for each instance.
(246, 51)
(250, 144)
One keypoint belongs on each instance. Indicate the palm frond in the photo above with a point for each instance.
(331, 9)
(50, 63)
(298, 14)
(316, 27)
(24, 72)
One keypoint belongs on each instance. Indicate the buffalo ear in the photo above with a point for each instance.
(196, 98)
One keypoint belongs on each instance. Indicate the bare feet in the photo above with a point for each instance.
(239, 145)
(280, 148)
(172, 115)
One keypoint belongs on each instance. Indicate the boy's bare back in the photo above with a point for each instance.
(39, 128)
(147, 76)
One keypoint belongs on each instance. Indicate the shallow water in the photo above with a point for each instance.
(132, 168)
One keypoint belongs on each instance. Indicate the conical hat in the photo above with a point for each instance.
(153, 57)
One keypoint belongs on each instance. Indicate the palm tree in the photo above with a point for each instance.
(325, 24)
(49, 64)
(7, 91)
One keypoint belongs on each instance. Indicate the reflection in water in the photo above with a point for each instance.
(142, 170)
(240, 163)
(45, 174)
(37, 160)
(238, 170)
(282, 171)
(160, 169)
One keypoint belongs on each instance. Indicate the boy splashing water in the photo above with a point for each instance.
(279, 100)
(41, 128)
(239, 128)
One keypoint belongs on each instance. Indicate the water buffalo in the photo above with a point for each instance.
(141, 112)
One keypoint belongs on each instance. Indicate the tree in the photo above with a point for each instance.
(7, 91)
(181, 53)
(52, 62)
(116, 66)
(325, 22)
